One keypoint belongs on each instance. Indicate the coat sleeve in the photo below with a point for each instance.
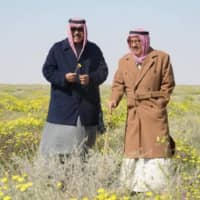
(118, 85)
(167, 81)
(100, 74)
(51, 72)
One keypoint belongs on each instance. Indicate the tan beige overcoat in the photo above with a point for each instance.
(148, 92)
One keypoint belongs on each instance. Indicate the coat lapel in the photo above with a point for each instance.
(131, 68)
(70, 58)
(148, 63)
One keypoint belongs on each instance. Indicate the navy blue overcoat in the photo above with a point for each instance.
(70, 100)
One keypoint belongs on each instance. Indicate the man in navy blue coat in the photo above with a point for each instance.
(75, 67)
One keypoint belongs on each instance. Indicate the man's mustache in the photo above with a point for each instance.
(77, 35)
(135, 47)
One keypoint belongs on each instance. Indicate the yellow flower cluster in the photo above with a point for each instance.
(178, 109)
(19, 135)
(24, 187)
(9, 183)
(23, 122)
(187, 154)
(102, 194)
(22, 105)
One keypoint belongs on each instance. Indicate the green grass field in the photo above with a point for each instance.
(24, 174)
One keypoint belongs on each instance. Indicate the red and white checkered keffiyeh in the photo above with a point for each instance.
(144, 37)
(77, 22)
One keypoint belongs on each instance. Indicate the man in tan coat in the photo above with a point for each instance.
(146, 77)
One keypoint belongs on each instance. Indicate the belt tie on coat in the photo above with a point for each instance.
(148, 95)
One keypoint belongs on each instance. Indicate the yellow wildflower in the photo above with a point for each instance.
(20, 179)
(100, 190)
(4, 187)
(126, 198)
(149, 194)
(7, 198)
(1, 194)
(15, 177)
(24, 187)
(59, 185)
(4, 180)
(157, 197)
(113, 197)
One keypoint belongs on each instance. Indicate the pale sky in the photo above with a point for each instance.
(29, 28)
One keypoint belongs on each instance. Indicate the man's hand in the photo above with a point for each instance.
(111, 106)
(71, 77)
(84, 79)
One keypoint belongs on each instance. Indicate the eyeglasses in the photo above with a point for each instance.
(135, 41)
(79, 29)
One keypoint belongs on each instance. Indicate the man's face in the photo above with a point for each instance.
(136, 45)
(77, 34)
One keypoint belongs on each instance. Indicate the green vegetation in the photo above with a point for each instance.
(24, 175)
